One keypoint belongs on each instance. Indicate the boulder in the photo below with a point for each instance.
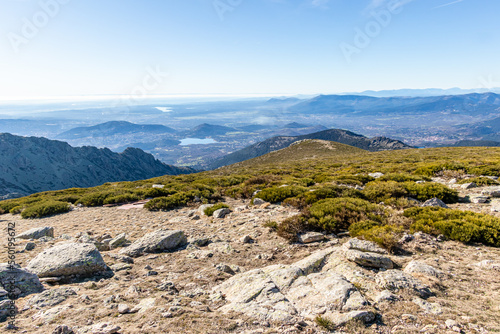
(258, 201)
(369, 259)
(309, 237)
(63, 329)
(29, 246)
(6, 310)
(101, 328)
(376, 175)
(415, 267)
(118, 241)
(493, 191)
(37, 233)
(221, 213)
(394, 280)
(435, 202)
(202, 208)
(158, 241)
(68, 259)
(479, 199)
(364, 246)
(386, 296)
(25, 282)
(469, 185)
(432, 308)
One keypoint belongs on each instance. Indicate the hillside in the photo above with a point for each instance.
(309, 242)
(209, 130)
(30, 164)
(336, 135)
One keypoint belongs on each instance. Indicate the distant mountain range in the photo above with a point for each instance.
(425, 92)
(335, 135)
(114, 128)
(31, 164)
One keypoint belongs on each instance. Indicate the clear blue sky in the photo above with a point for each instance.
(247, 47)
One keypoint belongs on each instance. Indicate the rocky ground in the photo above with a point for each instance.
(234, 275)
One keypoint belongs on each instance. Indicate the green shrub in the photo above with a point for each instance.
(433, 169)
(95, 198)
(279, 194)
(331, 191)
(45, 209)
(291, 227)
(210, 211)
(465, 226)
(68, 198)
(379, 191)
(402, 177)
(16, 210)
(154, 192)
(271, 224)
(353, 180)
(480, 181)
(425, 191)
(324, 323)
(123, 198)
(168, 203)
(384, 235)
(490, 170)
(336, 214)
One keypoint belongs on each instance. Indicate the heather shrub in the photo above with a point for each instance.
(122, 198)
(465, 226)
(480, 181)
(279, 194)
(16, 210)
(336, 214)
(95, 198)
(44, 209)
(210, 211)
(353, 180)
(402, 177)
(425, 191)
(384, 235)
(291, 227)
(379, 191)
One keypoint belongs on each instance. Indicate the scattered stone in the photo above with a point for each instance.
(203, 207)
(394, 279)
(450, 323)
(101, 328)
(23, 281)
(433, 308)
(221, 213)
(118, 241)
(225, 268)
(201, 242)
(368, 259)
(479, 199)
(310, 237)
(415, 267)
(159, 186)
(489, 265)
(491, 191)
(158, 241)
(376, 175)
(63, 329)
(167, 286)
(364, 246)
(123, 308)
(144, 305)
(50, 298)
(340, 319)
(469, 185)
(121, 266)
(68, 259)
(406, 238)
(195, 217)
(246, 239)
(258, 201)
(29, 246)
(37, 233)
(435, 202)
(121, 258)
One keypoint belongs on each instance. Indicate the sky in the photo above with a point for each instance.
(245, 47)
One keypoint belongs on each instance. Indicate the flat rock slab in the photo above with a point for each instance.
(369, 259)
(282, 292)
(154, 242)
(50, 298)
(25, 282)
(37, 233)
(68, 259)
(435, 202)
(396, 279)
(491, 191)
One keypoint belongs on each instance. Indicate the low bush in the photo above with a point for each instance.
(210, 211)
(291, 227)
(353, 179)
(123, 198)
(331, 191)
(279, 194)
(434, 169)
(480, 181)
(402, 177)
(465, 226)
(332, 215)
(384, 235)
(425, 191)
(16, 210)
(45, 209)
(95, 198)
(380, 191)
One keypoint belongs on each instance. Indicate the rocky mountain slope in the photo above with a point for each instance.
(336, 135)
(30, 164)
